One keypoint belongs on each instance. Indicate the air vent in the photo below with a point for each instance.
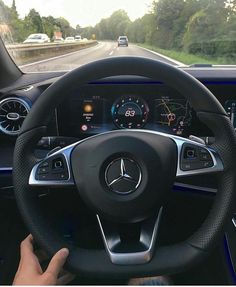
(13, 111)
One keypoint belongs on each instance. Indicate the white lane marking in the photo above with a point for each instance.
(117, 48)
(162, 56)
(112, 52)
(62, 56)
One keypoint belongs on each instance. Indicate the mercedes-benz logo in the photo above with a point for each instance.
(123, 176)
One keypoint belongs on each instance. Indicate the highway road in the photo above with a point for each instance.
(102, 50)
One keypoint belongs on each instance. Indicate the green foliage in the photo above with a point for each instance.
(65, 27)
(206, 28)
(111, 28)
(188, 59)
(87, 32)
(215, 48)
(49, 26)
(5, 13)
(32, 23)
(182, 57)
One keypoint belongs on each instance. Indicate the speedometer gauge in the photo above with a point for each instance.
(130, 112)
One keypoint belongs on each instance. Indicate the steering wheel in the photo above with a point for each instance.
(125, 176)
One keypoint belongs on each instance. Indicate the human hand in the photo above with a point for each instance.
(30, 272)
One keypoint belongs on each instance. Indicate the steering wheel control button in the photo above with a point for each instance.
(44, 164)
(52, 169)
(43, 170)
(123, 176)
(57, 164)
(204, 155)
(190, 153)
(195, 157)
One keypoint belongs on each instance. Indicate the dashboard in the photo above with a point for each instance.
(107, 105)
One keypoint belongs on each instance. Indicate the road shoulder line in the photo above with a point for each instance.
(163, 56)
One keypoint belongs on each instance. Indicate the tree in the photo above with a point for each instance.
(49, 26)
(5, 16)
(65, 27)
(103, 31)
(167, 12)
(207, 23)
(114, 26)
(87, 32)
(13, 9)
(78, 29)
(33, 22)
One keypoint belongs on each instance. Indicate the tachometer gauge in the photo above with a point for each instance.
(130, 112)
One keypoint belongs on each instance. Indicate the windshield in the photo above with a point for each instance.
(179, 32)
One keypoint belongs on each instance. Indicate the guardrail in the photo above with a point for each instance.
(28, 53)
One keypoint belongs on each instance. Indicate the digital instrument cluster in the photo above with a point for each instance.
(94, 114)
(167, 114)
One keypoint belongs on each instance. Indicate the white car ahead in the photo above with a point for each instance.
(70, 40)
(37, 39)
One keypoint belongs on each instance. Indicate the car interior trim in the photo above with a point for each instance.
(147, 239)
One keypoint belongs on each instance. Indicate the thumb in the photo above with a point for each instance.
(57, 262)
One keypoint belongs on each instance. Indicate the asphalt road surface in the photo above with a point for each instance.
(102, 50)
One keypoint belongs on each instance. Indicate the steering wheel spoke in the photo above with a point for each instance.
(196, 158)
(54, 170)
(130, 244)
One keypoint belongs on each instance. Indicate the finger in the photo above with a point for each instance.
(65, 279)
(57, 262)
(27, 243)
(28, 257)
(26, 246)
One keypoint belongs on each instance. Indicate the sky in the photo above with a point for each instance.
(82, 12)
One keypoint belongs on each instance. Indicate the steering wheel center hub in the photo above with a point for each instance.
(124, 176)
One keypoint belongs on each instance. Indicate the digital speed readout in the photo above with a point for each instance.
(130, 112)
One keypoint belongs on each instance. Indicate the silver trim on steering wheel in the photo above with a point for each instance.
(66, 152)
(147, 238)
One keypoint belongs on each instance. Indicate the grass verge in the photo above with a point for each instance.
(188, 59)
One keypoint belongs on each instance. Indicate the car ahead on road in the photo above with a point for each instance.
(78, 38)
(37, 39)
(70, 40)
(59, 40)
(123, 41)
